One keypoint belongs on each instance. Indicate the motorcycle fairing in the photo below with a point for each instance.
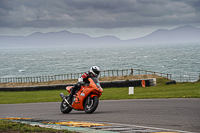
(94, 89)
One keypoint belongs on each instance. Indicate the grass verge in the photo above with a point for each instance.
(14, 127)
(179, 90)
(186, 90)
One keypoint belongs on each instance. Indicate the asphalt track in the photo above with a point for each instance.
(177, 114)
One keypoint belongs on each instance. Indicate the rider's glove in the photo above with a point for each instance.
(80, 79)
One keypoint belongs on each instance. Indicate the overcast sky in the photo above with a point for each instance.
(125, 19)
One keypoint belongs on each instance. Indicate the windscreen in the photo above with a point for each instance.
(96, 81)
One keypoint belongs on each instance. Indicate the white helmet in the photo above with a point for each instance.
(95, 70)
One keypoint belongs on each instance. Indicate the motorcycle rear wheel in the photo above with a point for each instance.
(92, 106)
(65, 108)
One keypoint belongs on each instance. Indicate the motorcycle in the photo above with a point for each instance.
(86, 98)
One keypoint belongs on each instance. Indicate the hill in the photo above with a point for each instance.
(181, 34)
(65, 38)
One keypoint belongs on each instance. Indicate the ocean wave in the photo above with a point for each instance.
(21, 70)
(41, 62)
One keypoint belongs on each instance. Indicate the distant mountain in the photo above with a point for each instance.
(65, 38)
(181, 34)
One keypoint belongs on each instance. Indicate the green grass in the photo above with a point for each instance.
(170, 91)
(31, 96)
(179, 90)
(14, 127)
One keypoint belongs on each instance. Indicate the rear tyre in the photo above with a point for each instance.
(90, 108)
(65, 108)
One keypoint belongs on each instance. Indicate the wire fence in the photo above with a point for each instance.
(106, 73)
(186, 77)
(189, 77)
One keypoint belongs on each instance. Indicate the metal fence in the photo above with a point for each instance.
(186, 77)
(123, 72)
(106, 73)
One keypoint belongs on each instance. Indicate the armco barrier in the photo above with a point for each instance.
(106, 84)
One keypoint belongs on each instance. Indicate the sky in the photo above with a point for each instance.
(125, 19)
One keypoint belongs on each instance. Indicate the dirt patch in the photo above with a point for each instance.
(131, 77)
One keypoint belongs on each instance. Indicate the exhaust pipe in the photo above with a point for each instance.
(62, 96)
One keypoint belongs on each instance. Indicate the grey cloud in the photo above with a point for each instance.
(97, 14)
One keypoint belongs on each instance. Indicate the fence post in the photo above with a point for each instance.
(189, 78)
(131, 72)
(199, 76)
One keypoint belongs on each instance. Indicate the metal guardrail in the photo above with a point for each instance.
(106, 73)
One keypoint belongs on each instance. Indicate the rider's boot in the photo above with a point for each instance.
(69, 99)
(73, 91)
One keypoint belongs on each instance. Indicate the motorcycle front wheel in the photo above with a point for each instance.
(90, 108)
(65, 108)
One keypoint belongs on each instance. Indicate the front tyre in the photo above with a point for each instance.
(65, 108)
(90, 108)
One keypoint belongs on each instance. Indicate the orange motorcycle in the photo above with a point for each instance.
(86, 98)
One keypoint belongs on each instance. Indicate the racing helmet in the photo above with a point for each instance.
(95, 70)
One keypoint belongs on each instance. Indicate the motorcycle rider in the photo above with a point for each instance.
(94, 72)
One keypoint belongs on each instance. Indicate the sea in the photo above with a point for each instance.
(172, 58)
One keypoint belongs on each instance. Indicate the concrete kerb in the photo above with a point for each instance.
(55, 125)
(101, 127)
